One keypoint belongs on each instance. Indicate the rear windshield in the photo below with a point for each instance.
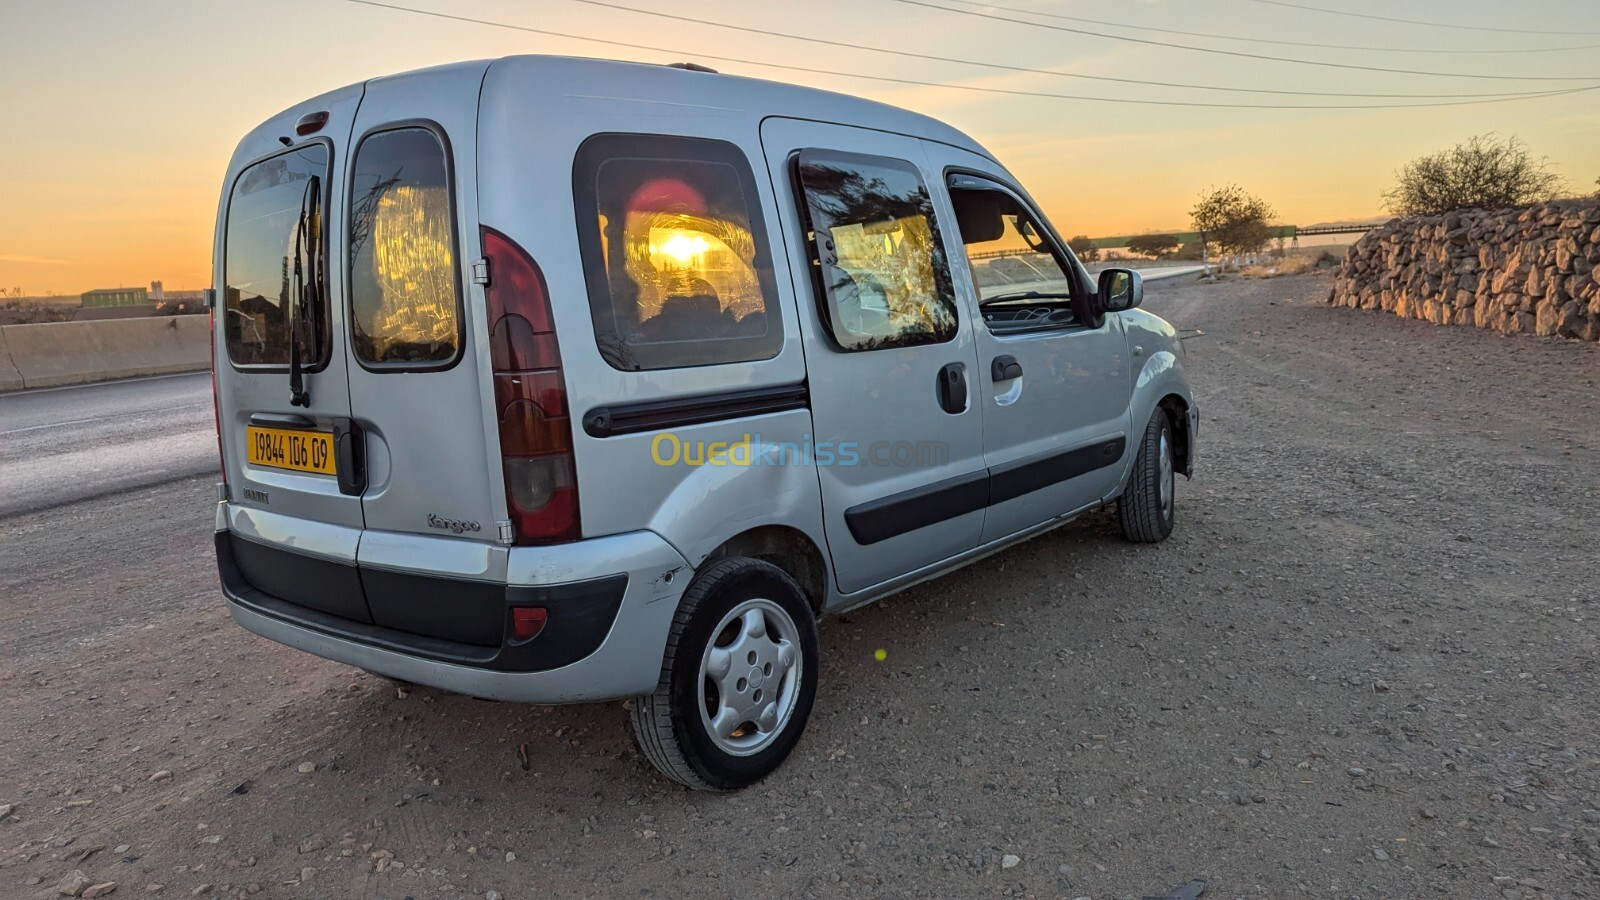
(405, 297)
(675, 252)
(264, 213)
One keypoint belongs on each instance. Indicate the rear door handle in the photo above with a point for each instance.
(953, 388)
(1005, 368)
(350, 456)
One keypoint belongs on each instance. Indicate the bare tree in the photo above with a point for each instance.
(1484, 172)
(1232, 219)
(1084, 248)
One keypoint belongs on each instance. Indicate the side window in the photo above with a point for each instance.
(674, 252)
(405, 292)
(884, 277)
(272, 202)
(1018, 278)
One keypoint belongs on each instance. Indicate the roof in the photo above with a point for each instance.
(603, 79)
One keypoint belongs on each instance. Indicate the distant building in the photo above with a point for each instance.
(157, 291)
(116, 297)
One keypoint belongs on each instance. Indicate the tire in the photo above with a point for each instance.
(724, 730)
(1145, 508)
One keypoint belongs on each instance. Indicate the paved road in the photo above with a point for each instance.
(1364, 666)
(60, 445)
(1162, 273)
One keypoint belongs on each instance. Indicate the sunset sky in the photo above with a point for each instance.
(120, 116)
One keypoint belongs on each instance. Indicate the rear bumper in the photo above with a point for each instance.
(604, 638)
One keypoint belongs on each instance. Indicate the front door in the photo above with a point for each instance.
(1053, 381)
(889, 356)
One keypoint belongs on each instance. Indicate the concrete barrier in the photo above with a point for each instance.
(10, 378)
(77, 352)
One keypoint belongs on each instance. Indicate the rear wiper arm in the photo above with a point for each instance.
(1025, 295)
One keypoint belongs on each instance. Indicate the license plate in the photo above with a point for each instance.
(287, 448)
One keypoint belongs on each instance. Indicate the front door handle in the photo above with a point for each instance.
(1005, 368)
(953, 388)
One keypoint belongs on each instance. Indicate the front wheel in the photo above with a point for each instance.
(1145, 508)
(737, 680)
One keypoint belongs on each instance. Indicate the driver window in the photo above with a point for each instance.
(1011, 260)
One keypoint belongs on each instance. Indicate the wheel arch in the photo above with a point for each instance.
(1176, 408)
(1162, 385)
(790, 549)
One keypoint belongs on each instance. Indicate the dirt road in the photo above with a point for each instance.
(1364, 666)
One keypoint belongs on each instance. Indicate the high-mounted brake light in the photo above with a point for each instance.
(530, 398)
(310, 123)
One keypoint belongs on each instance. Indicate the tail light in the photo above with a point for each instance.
(530, 398)
(216, 399)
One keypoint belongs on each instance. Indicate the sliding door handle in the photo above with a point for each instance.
(953, 388)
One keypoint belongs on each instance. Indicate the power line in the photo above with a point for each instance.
(1276, 41)
(1356, 15)
(1239, 53)
(956, 87)
(1007, 68)
(1025, 69)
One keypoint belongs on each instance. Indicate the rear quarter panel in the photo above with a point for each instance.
(534, 115)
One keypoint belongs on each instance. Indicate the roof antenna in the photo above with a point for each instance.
(692, 67)
(286, 142)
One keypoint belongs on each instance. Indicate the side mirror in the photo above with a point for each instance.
(1121, 289)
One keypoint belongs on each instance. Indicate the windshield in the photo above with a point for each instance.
(263, 213)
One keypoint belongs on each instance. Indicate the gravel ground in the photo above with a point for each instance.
(1363, 666)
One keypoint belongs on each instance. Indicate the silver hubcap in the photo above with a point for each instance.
(749, 677)
(1166, 477)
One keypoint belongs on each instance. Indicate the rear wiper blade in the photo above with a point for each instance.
(316, 286)
(298, 395)
(1024, 295)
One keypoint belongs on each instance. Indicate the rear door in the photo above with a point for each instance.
(897, 440)
(417, 356)
(279, 272)
(1053, 384)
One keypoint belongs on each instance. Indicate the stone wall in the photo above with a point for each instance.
(1529, 271)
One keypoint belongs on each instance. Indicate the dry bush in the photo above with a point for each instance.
(32, 312)
(1289, 265)
(1484, 172)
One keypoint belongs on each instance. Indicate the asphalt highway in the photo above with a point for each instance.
(62, 445)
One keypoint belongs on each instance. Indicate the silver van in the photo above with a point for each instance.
(557, 380)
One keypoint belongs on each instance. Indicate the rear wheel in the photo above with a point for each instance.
(1145, 508)
(737, 680)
